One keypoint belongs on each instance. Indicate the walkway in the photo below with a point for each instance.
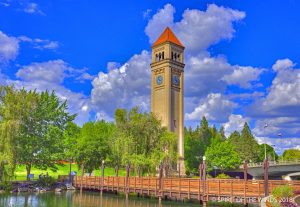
(231, 190)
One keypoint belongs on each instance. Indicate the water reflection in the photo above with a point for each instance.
(86, 199)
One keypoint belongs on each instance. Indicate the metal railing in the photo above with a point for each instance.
(274, 163)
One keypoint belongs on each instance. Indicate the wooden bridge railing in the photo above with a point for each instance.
(182, 187)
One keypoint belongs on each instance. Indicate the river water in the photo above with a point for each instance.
(86, 199)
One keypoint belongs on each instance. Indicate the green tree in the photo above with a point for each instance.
(40, 143)
(141, 140)
(291, 154)
(222, 133)
(249, 147)
(270, 152)
(93, 144)
(235, 138)
(205, 132)
(222, 155)
(196, 142)
(245, 144)
(12, 105)
(193, 151)
(71, 137)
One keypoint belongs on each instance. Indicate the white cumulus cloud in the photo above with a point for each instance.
(243, 76)
(235, 123)
(126, 86)
(215, 108)
(197, 29)
(9, 47)
(50, 76)
(280, 108)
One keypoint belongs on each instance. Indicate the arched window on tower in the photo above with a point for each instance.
(163, 55)
(178, 56)
(172, 55)
(159, 56)
(156, 57)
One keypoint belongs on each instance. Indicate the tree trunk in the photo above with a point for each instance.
(28, 169)
(1, 172)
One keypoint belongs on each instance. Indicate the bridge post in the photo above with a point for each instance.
(200, 179)
(160, 175)
(266, 177)
(179, 170)
(82, 174)
(167, 169)
(204, 182)
(117, 170)
(102, 177)
(139, 171)
(245, 181)
(127, 180)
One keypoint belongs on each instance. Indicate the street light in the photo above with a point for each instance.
(274, 153)
(102, 168)
(280, 135)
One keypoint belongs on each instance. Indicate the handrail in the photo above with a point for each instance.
(273, 163)
(184, 188)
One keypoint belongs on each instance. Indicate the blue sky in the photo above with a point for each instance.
(241, 58)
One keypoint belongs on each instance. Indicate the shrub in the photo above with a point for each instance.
(282, 192)
(6, 186)
(46, 182)
(223, 176)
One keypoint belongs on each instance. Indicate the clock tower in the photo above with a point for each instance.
(167, 84)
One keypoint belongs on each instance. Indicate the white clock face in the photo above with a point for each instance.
(176, 80)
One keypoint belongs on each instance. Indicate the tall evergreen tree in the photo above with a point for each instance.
(235, 138)
(222, 133)
(205, 133)
(248, 147)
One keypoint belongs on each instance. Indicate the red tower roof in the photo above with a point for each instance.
(167, 36)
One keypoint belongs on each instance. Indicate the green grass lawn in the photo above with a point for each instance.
(20, 173)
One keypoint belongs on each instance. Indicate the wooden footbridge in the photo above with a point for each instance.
(231, 190)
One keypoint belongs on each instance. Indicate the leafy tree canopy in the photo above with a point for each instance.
(222, 155)
(271, 154)
(291, 154)
(93, 144)
(141, 140)
(32, 126)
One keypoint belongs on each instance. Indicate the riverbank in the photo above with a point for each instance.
(62, 169)
(41, 185)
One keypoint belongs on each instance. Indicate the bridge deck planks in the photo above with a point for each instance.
(180, 188)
